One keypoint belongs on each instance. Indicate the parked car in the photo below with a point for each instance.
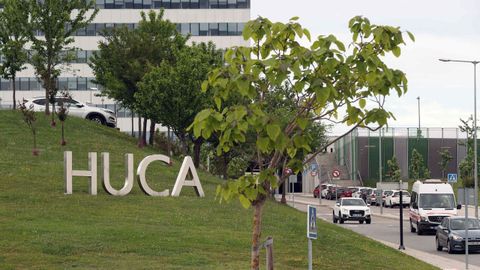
(351, 209)
(385, 193)
(359, 191)
(353, 190)
(451, 234)
(331, 193)
(78, 109)
(325, 191)
(372, 196)
(316, 191)
(394, 199)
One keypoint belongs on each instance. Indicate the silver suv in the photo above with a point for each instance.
(78, 109)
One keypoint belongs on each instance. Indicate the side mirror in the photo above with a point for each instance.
(337, 204)
(459, 206)
(79, 105)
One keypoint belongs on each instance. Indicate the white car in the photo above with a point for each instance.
(394, 199)
(78, 109)
(325, 190)
(351, 209)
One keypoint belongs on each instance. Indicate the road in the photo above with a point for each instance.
(387, 228)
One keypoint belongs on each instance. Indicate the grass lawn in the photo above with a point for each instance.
(41, 228)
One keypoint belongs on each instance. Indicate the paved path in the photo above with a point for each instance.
(385, 229)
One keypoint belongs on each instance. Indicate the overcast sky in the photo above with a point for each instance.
(442, 29)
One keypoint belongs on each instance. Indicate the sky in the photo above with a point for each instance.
(442, 29)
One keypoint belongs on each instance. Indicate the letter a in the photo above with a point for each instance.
(181, 178)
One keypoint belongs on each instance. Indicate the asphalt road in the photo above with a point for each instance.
(388, 229)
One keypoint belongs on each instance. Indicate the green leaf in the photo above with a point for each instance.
(294, 18)
(262, 144)
(302, 122)
(362, 103)
(292, 151)
(204, 86)
(396, 51)
(412, 37)
(273, 130)
(244, 201)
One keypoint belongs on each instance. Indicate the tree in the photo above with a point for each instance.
(56, 21)
(127, 55)
(417, 169)
(394, 169)
(467, 164)
(62, 114)
(13, 37)
(30, 119)
(326, 81)
(170, 93)
(445, 157)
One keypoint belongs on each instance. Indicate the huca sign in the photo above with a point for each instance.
(91, 173)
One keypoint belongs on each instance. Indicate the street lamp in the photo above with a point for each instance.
(475, 165)
(91, 90)
(418, 99)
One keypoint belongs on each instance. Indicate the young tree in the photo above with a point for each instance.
(417, 169)
(126, 55)
(13, 37)
(53, 24)
(445, 157)
(62, 114)
(467, 164)
(327, 81)
(394, 169)
(30, 119)
(170, 93)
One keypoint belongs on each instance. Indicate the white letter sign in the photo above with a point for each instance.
(91, 172)
(127, 187)
(182, 175)
(142, 168)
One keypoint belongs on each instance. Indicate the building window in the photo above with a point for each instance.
(213, 29)
(147, 4)
(222, 29)
(204, 4)
(194, 29)
(82, 83)
(175, 4)
(185, 4)
(232, 29)
(185, 28)
(232, 3)
(100, 4)
(194, 4)
(128, 3)
(203, 29)
(137, 4)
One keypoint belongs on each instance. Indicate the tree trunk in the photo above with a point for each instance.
(14, 97)
(169, 143)
(53, 123)
(63, 135)
(133, 116)
(140, 132)
(144, 132)
(225, 166)
(256, 233)
(47, 102)
(197, 145)
(284, 192)
(152, 132)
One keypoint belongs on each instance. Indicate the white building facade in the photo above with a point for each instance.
(219, 21)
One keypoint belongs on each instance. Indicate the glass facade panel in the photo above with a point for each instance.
(194, 4)
(147, 3)
(185, 4)
(204, 4)
(72, 83)
(175, 4)
(62, 84)
(231, 3)
(213, 29)
(232, 29)
(24, 86)
(222, 29)
(222, 3)
(194, 29)
(185, 28)
(82, 83)
(203, 29)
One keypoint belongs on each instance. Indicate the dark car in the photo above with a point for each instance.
(316, 191)
(451, 234)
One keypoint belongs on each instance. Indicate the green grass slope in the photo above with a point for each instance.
(41, 228)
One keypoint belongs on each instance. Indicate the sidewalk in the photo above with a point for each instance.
(300, 201)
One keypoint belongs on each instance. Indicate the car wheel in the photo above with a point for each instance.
(334, 218)
(98, 119)
(340, 218)
(368, 221)
(439, 247)
(412, 229)
(360, 221)
(419, 231)
(449, 248)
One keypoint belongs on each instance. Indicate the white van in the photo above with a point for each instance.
(431, 201)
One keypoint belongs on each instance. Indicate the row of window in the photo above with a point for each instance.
(171, 4)
(194, 29)
(64, 83)
(80, 56)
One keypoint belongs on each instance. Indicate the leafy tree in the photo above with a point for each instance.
(170, 93)
(326, 81)
(466, 166)
(30, 119)
(127, 55)
(445, 157)
(56, 21)
(62, 114)
(417, 169)
(394, 169)
(13, 37)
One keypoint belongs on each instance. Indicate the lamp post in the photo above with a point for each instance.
(475, 165)
(418, 101)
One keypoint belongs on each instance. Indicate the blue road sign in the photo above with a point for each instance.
(452, 177)
(312, 222)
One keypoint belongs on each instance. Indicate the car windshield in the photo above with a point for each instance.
(436, 201)
(388, 192)
(353, 202)
(459, 224)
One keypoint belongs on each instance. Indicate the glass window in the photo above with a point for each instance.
(119, 4)
(40, 101)
(72, 83)
(242, 4)
(185, 3)
(82, 31)
(175, 4)
(81, 56)
(213, 3)
(231, 3)
(222, 29)
(240, 27)
(91, 30)
(213, 29)
(128, 3)
(436, 200)
(34, 84)
(185, 28)
(82, 83)
(147, 4)
(194, 4)
(166, 3)
(157, 3)
(90, 84)
(5, 84)
(137, 4)
(222, 3)
(100, 3)
(204, 4)
(194, 29)
(203, 29)
(109, 4)
(232, 29)
(62, 84)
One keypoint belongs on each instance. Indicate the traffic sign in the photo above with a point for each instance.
(336, 173)
(292, 179)
(312, 222)
(452, 177)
